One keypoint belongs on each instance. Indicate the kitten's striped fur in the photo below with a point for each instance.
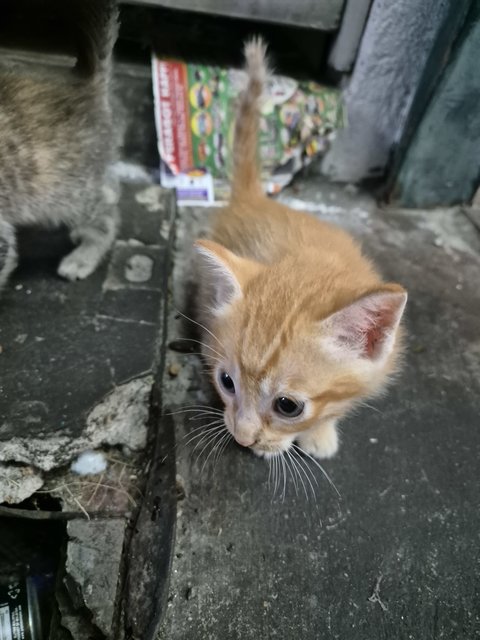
(294, 309)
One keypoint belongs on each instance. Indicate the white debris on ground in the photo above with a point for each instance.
(139, 268)
(89, 463)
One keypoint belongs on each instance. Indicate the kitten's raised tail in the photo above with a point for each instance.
(97, 25)
(246, 170)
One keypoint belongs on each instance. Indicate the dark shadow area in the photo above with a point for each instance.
(30, 559)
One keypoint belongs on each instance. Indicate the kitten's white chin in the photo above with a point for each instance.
(268, 454)
(263, 454)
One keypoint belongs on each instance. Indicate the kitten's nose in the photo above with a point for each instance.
(244, 441)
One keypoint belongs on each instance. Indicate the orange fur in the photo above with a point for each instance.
(292, 307)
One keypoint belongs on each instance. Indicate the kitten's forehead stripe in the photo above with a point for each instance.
(266, 341)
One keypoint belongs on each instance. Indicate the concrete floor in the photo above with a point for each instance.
(396, 555)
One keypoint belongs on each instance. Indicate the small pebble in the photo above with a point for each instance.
(351, 189)
(139, 268)
(174, 369)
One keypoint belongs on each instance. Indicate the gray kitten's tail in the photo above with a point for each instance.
(97, 24)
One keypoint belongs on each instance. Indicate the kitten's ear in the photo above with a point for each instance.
(226, 272)
(367, 327)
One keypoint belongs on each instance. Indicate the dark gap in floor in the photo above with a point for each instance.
(30, 559)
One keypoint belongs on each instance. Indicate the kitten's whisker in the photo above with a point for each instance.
(203, 344)
(304, 462)
(274, 476)
(218, 450)
(221, 449)
(206, 438)
(205, 355)
(193, 407)
(204, 432)
(213, 449)
(294, 463)
(202, 437)
(210, 357)
(208, 442)
(203, 414)
(320, 467)
(370, 406)
(200, 414)
(199, 354)
(288, 460)
(202, 355)
(199, 324)
(203, 427)
(289, 469)
(304, 467)
(277, 474)
(282, 459)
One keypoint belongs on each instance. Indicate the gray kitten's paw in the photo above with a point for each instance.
(320, 443)
(78, 265)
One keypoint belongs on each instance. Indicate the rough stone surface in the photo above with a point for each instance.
(121, 417)
(93, 563)
(396, 555)
(76, 626)
(18, 482)
(395, 46)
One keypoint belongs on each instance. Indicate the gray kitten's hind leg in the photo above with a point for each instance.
(8, 251)
(94, 237)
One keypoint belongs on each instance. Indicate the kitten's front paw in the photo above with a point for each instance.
(320, 443)
(76, 266)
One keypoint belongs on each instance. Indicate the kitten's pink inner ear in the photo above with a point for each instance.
(367, 327)
(226, 272)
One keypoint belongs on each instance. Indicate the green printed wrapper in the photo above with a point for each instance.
(195, 112)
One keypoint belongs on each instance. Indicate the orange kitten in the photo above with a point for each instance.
(300, 325)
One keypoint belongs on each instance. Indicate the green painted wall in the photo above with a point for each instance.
(442, 163)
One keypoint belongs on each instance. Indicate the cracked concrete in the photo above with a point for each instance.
(118, 420)
(18, 482)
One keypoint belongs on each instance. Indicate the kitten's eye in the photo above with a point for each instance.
(288, 407)
(227, 382)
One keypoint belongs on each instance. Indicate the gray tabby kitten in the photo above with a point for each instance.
(56, 143)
